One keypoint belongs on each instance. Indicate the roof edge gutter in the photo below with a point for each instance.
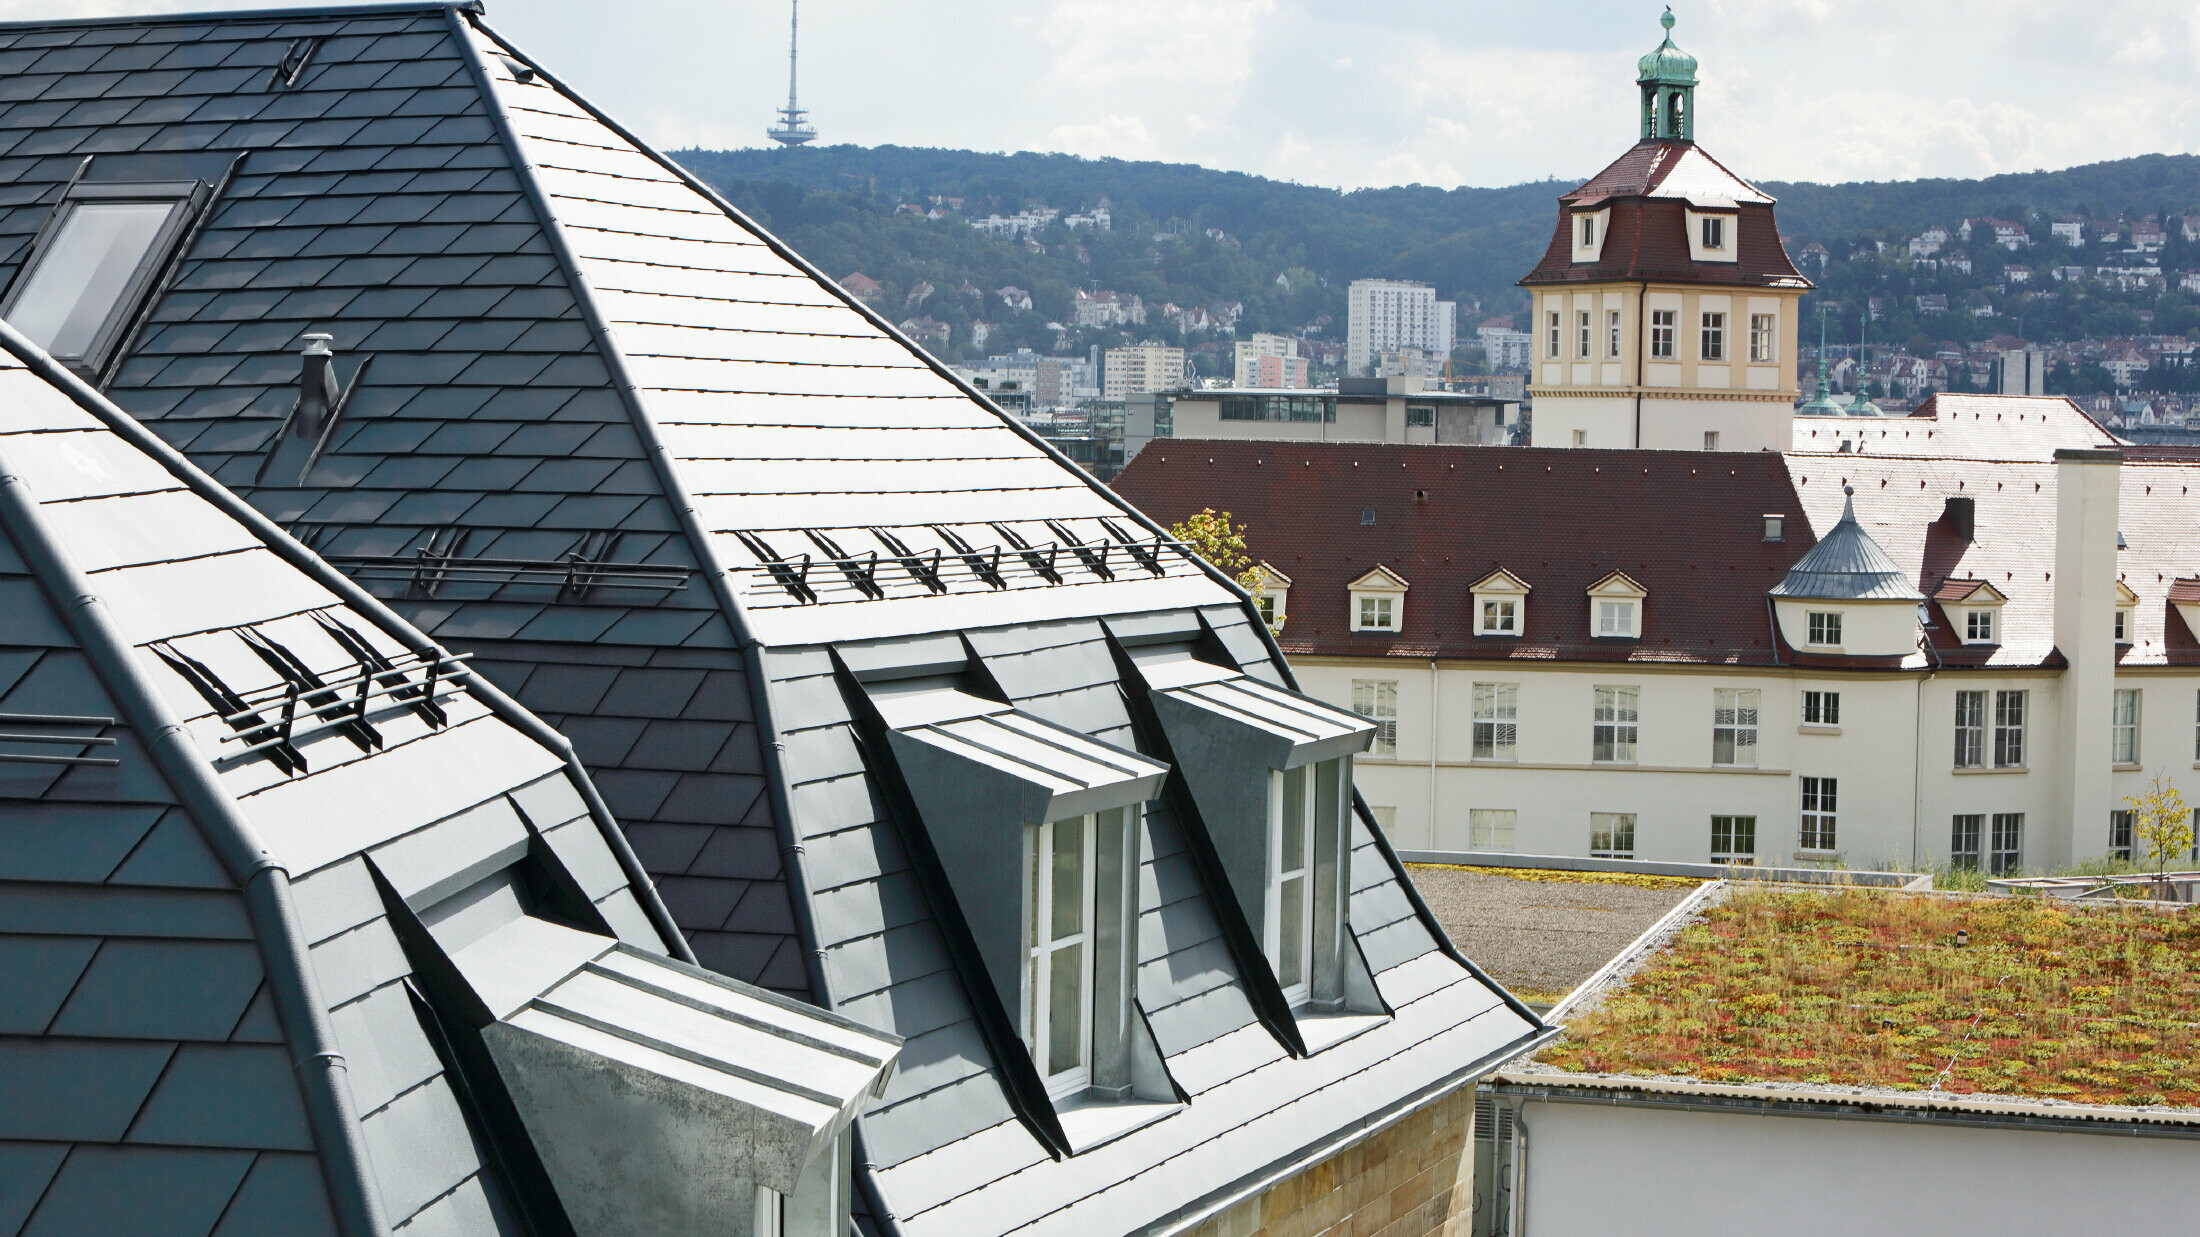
(288, 548)
(1261, 1179)
(323, 1078)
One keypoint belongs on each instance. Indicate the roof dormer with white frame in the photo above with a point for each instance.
(2127, 614)
(1500, 604)
(1378, 601)
(1272, 595)
(1615, 607)
(1973, 608)
(1589, 227)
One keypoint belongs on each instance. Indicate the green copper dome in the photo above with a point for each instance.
(1668, 65)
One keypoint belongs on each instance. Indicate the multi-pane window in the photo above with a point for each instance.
(2123, 625)
(1611, 341)
(2008, 843)
(1496, 720)
(1818, 813)
(1615, 618)
(1491, 828)
(1377, 701)
(1821, 708)
(1611, 835)
(1714, 337)
(1963, 841)
(2123, 727)
(1588, 231)
(1978, 626)
(2120, 824)
(1662, 328)
(2009, 730)
(1581, 327)
(1734, 725)
(1060, 897)
(1761, 337)
(1551, 344)
(1825, 627)
(1612, 733)
(1500, 616)
(1378, 613)
(1733, 839)
(1290, 928)
(1970, 730)
(1714, 232)
(1266, 604)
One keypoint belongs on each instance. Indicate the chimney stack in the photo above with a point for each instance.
(1962, 516)
(316, 387)
(2087, 489)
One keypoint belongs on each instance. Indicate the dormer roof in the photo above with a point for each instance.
(1274, 577)
(1847, 565)
(2124, 595)
(1970, 592)
(1382, 579)
(1500, 581)
(1618, 584)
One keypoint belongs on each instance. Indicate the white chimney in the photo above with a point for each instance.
(2086, 493)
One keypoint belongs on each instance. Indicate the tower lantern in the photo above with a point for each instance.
(1667, 77)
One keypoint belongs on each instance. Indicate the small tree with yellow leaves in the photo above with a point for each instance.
(2162, 823)
(1214, 537)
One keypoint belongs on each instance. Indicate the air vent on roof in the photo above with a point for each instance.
(1961, 513)
(1775, 526)
(296, 58)
(321, 401)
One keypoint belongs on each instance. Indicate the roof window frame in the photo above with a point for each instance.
(187, 199)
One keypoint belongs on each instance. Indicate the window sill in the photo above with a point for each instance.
(1497, 635)
(1994, 769)
(2127, 766)
(1091, 1123)
(1816, 728)
(1321, 1032)
(1815, 856)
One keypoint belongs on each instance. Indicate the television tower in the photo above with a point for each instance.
(792, 129)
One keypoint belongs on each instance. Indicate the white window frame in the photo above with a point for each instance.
(1822, 629)
(1736, 826)
(1041, 841)
(2010, 710)
(1611, 835)
(1552, 342)
(1971, 729)
(1375, 612)
(1820, 807)
(1978, 625)
(1735, 714)
(1587, 238)
(1492, 828)
(1279, 931)
(1615, 724)
(1611, 343)
(1712, 344)
(1616, 618)
(1821, 707)
(1664, 327)
(1377, 701)
(1497, 616)
(1764, 337)
(1496, 721)
(1714, 233)
(1585, 333)
(2123, 727)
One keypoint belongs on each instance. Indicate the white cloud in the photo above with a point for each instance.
(1116, 137)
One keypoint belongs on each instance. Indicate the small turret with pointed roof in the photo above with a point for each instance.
(1823, 404)
(1667, 77)
(1862, 406)
(1847, 565)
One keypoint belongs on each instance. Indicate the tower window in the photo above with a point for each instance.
(1588, 231)
(1760, 337)
(1661, 333)
(1552, 349)
(1581, 324)
(1714, 337)
(94, 265)
(1611, 343)
(1714, 232)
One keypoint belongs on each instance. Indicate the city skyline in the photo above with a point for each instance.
(1413, 93)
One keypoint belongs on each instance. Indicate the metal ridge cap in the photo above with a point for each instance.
(876, 319)
(291, 551)
(235, 16)
(332, 1116)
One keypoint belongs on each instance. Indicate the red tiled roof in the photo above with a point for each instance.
(1649, 190)
(1687, 525)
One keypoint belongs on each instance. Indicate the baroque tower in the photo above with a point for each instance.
(1665, 308)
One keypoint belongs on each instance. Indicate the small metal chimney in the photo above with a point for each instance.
(1962, 515)
(317, 388)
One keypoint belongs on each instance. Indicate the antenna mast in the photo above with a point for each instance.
(793, 129)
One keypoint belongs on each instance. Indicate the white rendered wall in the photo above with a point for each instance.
(1597, 1169)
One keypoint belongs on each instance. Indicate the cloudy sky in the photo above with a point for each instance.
(1348, 93)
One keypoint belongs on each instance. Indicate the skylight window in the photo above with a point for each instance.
(94, 264)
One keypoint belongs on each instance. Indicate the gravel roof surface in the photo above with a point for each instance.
(1539, 938)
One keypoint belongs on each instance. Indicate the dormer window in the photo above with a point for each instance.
(1714, 232)
(1825, 628)
(2127, 605)
(1378, 602)
(94, 264)
(1588, 231)
(1974, 608)
(1500, 601)
(1615, 607)
(1711, 234)
(1272, 595)
(1590, 228)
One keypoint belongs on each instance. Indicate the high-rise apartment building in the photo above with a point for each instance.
(1384, 315)
(1141, 370)
(1269, 361)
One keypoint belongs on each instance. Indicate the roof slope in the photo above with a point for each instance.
(1847, 565)
(1973, 427)
(1444, 517)
(150, 1080)
(1649, 191)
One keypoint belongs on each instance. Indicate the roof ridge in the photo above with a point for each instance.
(250, 16)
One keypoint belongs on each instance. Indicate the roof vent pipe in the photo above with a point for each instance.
(1962, 516)
(317, 388)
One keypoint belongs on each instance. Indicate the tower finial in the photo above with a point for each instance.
(1667, 20)
(1667, 77)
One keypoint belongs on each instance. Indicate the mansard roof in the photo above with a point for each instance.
(676, 489)
(1649, 191)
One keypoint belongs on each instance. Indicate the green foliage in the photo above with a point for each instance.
(2161, 823)
(1213, 537)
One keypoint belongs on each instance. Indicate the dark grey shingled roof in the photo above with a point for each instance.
(151, 1086)
(1847, 565)
(573, 341)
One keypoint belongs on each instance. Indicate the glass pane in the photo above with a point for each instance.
(1291, 923)
(1069, 878)
(73, 290)
(1291, 847)
(1065, 1010)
